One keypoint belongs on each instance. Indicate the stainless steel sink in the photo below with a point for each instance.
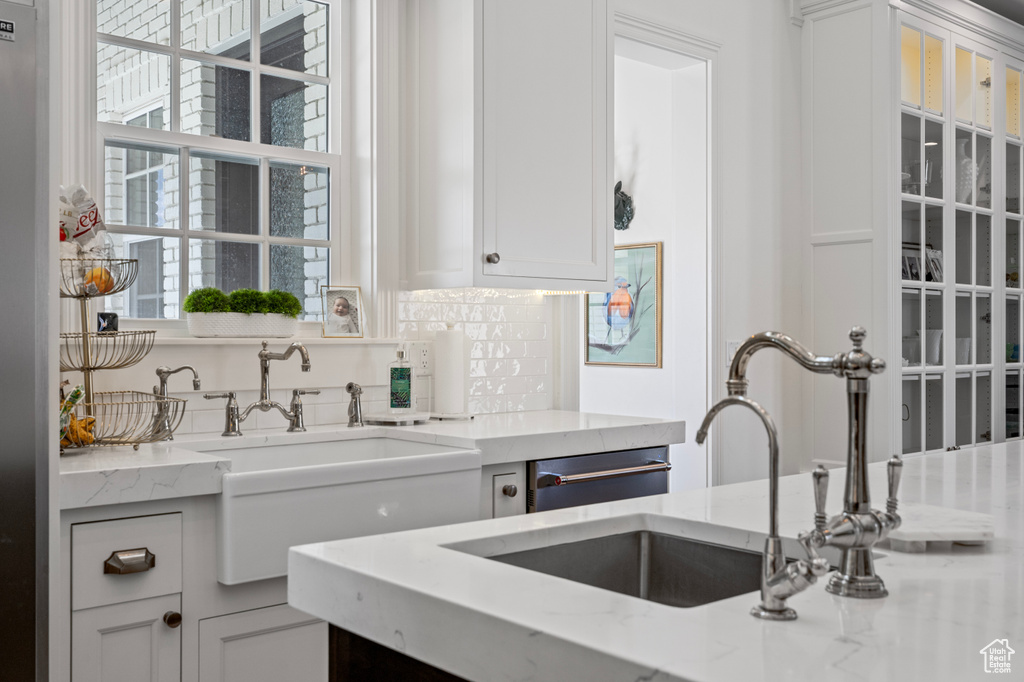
(667, 569)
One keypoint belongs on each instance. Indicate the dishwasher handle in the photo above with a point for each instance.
(544, 479)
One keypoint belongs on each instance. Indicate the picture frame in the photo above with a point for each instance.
(622, 327)
(338, 325)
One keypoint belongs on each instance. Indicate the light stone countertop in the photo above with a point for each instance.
(484, 620)
(193, 464)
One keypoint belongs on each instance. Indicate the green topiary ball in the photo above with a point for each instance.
(248, 301)
(284, 303)
(207, 300)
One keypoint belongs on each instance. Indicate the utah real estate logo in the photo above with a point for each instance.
(997, 655)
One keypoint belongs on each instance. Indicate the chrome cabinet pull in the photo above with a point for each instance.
(492, 258)
(566, 479)
(129, 561)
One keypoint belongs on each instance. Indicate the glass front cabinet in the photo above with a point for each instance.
(950, 150)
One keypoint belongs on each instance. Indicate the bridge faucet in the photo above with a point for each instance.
(858, 528)
(162, 422)
(779, 580)
(265, 404)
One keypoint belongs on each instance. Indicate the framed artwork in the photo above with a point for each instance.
(342, 306)
(623, 326)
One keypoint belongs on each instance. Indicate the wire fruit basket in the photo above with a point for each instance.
(109, 417)
(122, 418)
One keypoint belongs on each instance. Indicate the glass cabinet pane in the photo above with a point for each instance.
(983, 92)
(964, 331)
(983, 314)
(984, 171)
(911, 414)
(964, 398)
(910, 159)
(912, 255)
(1013, 329)
(933, 257)
(933, 74)
(964, 241)
(983, 247)
(1013, 152)
(931, 175)
(911, 327)
(966, 167)
(1013, 254)
(1013, 78)
(1013, 403)
(933, 332)
(964, 88)
(910, 66)
(983, 409)
(933, 401)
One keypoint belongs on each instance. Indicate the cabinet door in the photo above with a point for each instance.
(263, 645)
(547, 190)
(128, 641)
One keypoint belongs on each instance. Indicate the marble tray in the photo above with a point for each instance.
(927, 527)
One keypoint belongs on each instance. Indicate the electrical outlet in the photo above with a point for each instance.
(421, 358)
(731, 348)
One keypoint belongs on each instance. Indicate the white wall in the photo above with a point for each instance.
(756, 77)
(660, 142)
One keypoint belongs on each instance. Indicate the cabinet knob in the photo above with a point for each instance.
(492, 258)
(510, 490)
(173, 619)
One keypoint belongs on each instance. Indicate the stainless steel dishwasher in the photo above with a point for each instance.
(603, 477)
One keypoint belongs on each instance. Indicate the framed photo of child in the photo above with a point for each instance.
(342, 307)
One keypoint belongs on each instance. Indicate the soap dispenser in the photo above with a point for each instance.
(401, 391)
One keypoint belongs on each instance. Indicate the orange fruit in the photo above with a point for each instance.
(100, 278)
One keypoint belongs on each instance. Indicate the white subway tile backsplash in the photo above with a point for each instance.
(527, 366)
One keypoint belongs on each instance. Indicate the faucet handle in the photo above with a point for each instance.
(816, 564)
(820, 476)
(895, 468)
(305, 391)
(214, 396)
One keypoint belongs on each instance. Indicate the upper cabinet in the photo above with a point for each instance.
(913, 217)
(509, 145)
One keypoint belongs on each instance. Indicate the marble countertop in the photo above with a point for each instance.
(179, 468)
(485, 620)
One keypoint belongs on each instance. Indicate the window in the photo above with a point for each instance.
(217, 165)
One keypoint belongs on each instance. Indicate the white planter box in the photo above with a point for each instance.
(271, 325)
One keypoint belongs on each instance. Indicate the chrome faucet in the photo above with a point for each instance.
(355, 407)
(858, 528)
(779, 580)
(161, 421)
(294, 415)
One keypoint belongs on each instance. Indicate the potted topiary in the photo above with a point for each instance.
(243, 313)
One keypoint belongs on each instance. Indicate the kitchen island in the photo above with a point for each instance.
(433, 595)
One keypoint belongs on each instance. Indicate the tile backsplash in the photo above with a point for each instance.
(508, 336)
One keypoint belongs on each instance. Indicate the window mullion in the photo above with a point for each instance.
(254, 87)
(175, 65)
(264, 217)
(184, 285)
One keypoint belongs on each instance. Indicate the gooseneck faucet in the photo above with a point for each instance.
(294, 415)
(162, 422)
(778, 580)
(858, 528)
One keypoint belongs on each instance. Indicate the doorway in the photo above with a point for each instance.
(662, 157)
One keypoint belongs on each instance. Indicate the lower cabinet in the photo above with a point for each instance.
(128, 641)
(273, 643)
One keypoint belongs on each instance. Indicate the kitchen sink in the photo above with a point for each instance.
(670, 570)
(287, 490)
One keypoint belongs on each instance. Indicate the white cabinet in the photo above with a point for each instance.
(275, 643)
(127, 641)
(510, 123)
(126, 599)
(913, 156)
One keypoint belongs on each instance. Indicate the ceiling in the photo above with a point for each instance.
(1011, 9)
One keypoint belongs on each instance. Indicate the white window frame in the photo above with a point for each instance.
(341, 263)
